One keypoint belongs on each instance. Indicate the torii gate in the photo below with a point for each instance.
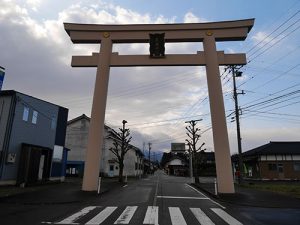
(208, 33)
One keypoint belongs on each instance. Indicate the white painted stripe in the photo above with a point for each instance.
(76, 216)
(98, 219)
(126, 215)
(176, 216)
(156, 190)
(223, 207)
(179, 197)
(202, 218)
(226, 217)
(151, 216)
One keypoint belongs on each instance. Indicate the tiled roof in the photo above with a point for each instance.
(280, 147)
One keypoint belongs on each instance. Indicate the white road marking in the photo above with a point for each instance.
(151, 216)
(98, 219)
(156, 190)
(176, 216)
(202, 218)
(223, 207)
(76, 216)
(226, 217)
(179, 197)
(126, 215)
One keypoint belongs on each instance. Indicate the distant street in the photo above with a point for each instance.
(159, 199)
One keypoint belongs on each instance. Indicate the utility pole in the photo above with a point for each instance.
(192, 134)
(149, 144)
(237, 119)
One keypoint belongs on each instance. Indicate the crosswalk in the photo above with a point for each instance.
(95, 215)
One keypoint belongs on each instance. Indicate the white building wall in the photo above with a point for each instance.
(129, 163)
(76, 140)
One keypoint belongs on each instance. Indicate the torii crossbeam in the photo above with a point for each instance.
(208, 33)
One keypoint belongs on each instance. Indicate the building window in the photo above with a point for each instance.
(26, 113)
(297, 166)
(280, 167)
(272, 166)
(34, 117)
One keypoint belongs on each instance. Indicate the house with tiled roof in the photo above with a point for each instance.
(275, 160)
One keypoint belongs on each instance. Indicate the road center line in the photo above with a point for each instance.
(199, 192)
(180, 197)
(156, 190)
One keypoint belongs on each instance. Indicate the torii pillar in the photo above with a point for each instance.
(208, 33)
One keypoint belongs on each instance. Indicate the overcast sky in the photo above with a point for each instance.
(36, 52)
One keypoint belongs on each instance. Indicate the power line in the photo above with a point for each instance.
(272, 99)
(275, 43)
(273, 113)
(133, 92)
(265, 38)
(292, 6)
(273, 93)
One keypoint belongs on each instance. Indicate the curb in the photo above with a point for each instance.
(80, 197)
(219, 199)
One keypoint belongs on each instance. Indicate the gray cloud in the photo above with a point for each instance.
(37, 56)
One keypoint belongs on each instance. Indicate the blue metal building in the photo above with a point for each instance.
(32, 139)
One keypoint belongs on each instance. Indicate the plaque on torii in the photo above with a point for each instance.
(156, 35)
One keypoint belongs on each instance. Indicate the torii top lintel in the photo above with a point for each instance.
(139, 33)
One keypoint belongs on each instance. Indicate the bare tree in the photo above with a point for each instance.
(121, 147)
(193, 134)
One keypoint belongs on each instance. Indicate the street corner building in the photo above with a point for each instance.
(176, 161)
(32, 139)
(76, 141)
(277, 160)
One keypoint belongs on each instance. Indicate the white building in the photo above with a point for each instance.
(76, 141)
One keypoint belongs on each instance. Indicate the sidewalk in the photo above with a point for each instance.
(251, 197)
(54, 193)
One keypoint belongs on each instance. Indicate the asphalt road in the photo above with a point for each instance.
(159, 199)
